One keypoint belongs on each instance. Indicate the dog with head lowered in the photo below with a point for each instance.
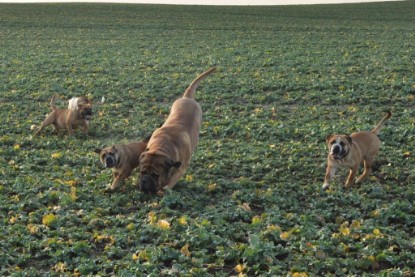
(122, 159)
(171, 146)
(349, 151)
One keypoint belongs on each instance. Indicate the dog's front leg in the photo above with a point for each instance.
(69, 128)
(85, 126)
(175, 178)
(329, 175)
(119, 177)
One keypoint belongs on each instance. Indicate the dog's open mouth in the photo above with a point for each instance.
(339, 156)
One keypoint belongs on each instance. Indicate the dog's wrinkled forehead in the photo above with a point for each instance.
(151, 163)
(110, 151)
(336, 140)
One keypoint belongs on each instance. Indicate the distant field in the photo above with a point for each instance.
(251, 202)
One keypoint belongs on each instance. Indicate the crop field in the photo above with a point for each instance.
(251, 202)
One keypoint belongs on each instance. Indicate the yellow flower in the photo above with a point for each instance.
(300, 274)
(239, 268)
(212, 187)
(355, 224)
(271, 228)
(33, 229)
(377, 232)
(13, 219)
(152, 217)
(256, 220)
(345, 231)
(71, 182)
(60, 267)
(48, 219)
(73, 194)
(285, 235)
(56, 155)
(185, 250)
(189, 178)
(142, 255)
(182, 220)
(130, 226)
(16, 147)
(163, 224)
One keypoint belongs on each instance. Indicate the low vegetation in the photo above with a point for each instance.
(251, 202)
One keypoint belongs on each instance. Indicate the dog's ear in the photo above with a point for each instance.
(170, 163)
(328, 137)
(98, 151)
(349, 139)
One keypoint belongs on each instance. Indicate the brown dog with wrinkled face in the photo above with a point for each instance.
(122, 159)
(171, 146)
(349, 151)
(67, 118)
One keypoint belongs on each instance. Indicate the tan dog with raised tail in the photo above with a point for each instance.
(67, 119)
(171, 146)
(349, 151)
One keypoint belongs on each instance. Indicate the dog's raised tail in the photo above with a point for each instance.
(377, 129)
(190, 91)
(52, 102)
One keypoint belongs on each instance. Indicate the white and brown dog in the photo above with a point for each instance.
(349, 151)
(68, 119)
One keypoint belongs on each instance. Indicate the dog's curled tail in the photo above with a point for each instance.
(190, 91)
(377, 129)
(52, 102)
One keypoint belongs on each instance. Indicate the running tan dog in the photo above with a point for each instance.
(349, 151)
(122, 159)
(171, 146)
(67, 119)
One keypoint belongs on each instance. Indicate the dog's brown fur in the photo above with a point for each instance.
(122, 159)
(349, 151)
(66, 118)
(171, 146)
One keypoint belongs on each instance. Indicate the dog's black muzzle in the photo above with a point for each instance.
(148, 184)
(87, 114)
(338, 152)
(110, 161)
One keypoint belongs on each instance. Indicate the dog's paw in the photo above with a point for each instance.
(349, 185)
(325, 186)
(109, 189)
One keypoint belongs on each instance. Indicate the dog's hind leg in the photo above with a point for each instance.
(48, 120)
(368, 170)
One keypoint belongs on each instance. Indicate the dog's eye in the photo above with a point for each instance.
(342, 143)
